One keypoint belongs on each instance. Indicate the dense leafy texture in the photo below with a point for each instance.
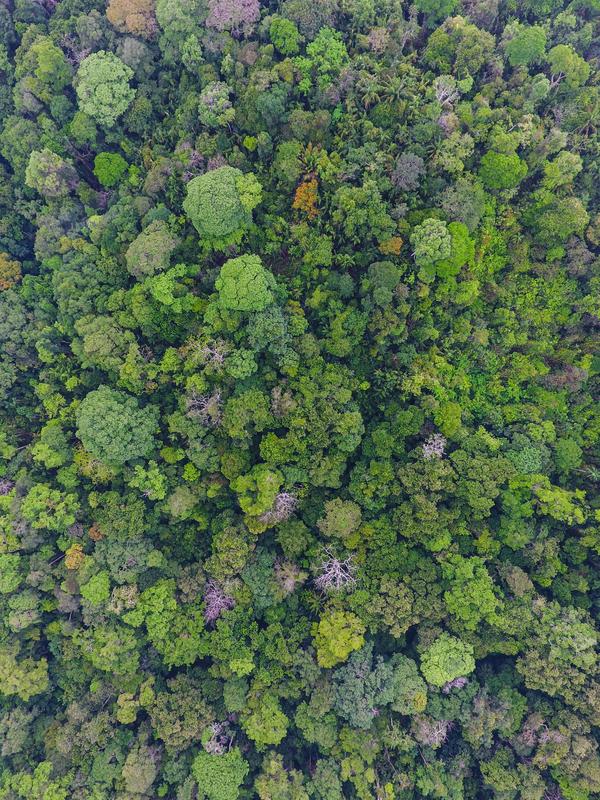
(299, 417)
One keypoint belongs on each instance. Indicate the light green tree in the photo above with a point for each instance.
(113, 427)
(220, 204)
(244, 285)
(336, 635)
(102, 85)
(219, 777)
(446, 659)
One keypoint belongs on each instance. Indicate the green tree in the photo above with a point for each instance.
(445, 659)
(113, 427)
(97, 589)
(524, 44)
(219, 777)
(24, 677)
(566, 63)
(50, 175)
(109, 168)
(52, 448)
(215, 108)
(501, 170)
(275, 782)
(10, 573)
(45, 507)
(471, 596)
(285, 35)
(431, 242)
(365, 684)
(220, 204)
(336, 635)
(244, 285)
(265, 724)
(103, 344)
(436, 10)
(103, 90)
(342, 519)
(150, 252)
(43, 69)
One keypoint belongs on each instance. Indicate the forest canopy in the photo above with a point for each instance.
(299, 419)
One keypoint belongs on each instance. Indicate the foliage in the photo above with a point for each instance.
(113, 427)
(220, 203)
(244, 285)
(103, 89)
(445, 659)
(219, 776)
(109, 168)
(336, 636)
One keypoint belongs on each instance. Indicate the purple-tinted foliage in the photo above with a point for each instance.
(284, 506)
(6, 486)
(215, 602)
(432, 732)
(457, 683)
(216, 162)
(434, 447)
(407, 172)
(232, 15)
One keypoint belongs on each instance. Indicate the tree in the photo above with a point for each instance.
(408, 170)
(150, 252)
(180, 714)
(45, 507)
(109, 168)
(559, 653)
(10, 272)
(103, 90)
(361, 213)
(501, 170)
(275, 782)
(103, 343)
(471, 596)
(285, 35)
(132, 16)
(365, 684)
(50, 175)
(554, 219)
(140, 769)
(97, 589)
(524, 44)
(562, 170)
(244, 285)
(43, 69)
(326, 55)
(219, 777)
(215, 108)
(220, 204)
(336, 635)
(431, 242)
(113, 427)
(233, 15)
(25, 677)
(52, 448)
(265, 724)
(566, 63)
(445, 659)
(436, 10)
(10, 574)
(342, 519)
